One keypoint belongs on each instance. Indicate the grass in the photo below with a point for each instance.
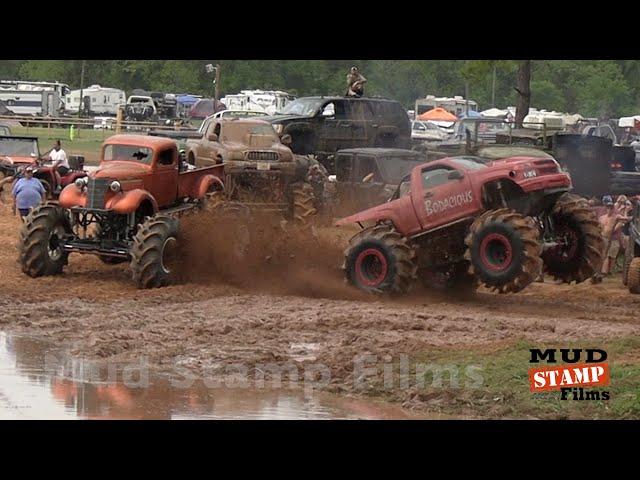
(86, 141)
(504, 390)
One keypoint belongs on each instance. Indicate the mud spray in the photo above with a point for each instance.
(265, 253)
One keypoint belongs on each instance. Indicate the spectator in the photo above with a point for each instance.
(27, 193)
(611, 223)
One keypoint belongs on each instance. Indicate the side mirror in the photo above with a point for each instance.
(286, 139)
(455, 175)
(213, 137)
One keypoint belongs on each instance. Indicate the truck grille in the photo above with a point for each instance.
(96, 191)
(259, 155)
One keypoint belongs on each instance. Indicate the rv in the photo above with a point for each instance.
(268, 101)
(96, 100)
(456, 105)
(33, 98)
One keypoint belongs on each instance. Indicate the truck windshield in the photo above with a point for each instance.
(20, 147)
(131, 153)
(303, 106)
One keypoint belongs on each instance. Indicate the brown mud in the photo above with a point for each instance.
(284, 303)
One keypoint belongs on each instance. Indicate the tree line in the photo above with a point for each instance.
(594, 88)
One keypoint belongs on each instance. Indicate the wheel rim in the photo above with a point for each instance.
(168, 255)
(371, 267)
(496, 252)
(567, 244)
(54, 247)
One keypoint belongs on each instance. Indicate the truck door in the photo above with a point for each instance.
(441, 195)
(360, 115)
(369, 190)
(336, 128)
(208, 150)
(165, 178)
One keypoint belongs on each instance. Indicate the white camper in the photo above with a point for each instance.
(96, 100)
(33, 98)
(269, 101)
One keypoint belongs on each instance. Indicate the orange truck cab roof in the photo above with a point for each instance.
(154, 143)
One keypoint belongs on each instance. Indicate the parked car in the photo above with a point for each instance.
(426, 131)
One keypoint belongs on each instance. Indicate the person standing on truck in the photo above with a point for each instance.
(27, 193)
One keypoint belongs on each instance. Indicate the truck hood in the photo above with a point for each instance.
(121, 170)
(14, 159)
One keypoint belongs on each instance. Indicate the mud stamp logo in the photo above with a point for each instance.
(581, 371)
(454, 201)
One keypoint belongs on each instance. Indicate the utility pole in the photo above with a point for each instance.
(466, 96)
(217, 82)
(80, 105)
(493, 88)
(209, 68)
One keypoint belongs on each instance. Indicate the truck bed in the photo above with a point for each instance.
(188, 179)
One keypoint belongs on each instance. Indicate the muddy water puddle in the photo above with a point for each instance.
(41, 380)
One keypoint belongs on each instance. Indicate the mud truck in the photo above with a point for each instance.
(127, 210)
(260, 170)
(321, 126)
(17, 152)
(461, 220)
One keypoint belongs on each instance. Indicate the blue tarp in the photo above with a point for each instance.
(187, 100)
(472, 114)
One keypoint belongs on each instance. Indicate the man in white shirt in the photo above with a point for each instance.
(59, 159)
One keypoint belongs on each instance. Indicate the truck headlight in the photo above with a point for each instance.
(115, 186)
(278, 128)
(80, 182)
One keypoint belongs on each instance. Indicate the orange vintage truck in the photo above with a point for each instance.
(130, 204)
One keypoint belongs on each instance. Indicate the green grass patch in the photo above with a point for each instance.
(504, 392)
(86, 141)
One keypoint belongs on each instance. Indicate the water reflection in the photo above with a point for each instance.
(39, 380)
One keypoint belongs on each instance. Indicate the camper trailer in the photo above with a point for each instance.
(456, 105)
(268, 101)
(96, 100)
(33, 98)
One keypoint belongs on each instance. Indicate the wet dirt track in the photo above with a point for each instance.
(291, 312)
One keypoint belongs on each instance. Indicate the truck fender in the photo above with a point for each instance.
(207, 184)
(128, 202)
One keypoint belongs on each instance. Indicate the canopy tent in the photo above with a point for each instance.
(187, 100)
(629, 122)
(438, 114)
(495, 113)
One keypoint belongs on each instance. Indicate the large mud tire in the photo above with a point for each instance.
(39, 248)
(154, 252)
(380, 260)
(303, 198)
(633, 277)
(577, 226)
(504, 249)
